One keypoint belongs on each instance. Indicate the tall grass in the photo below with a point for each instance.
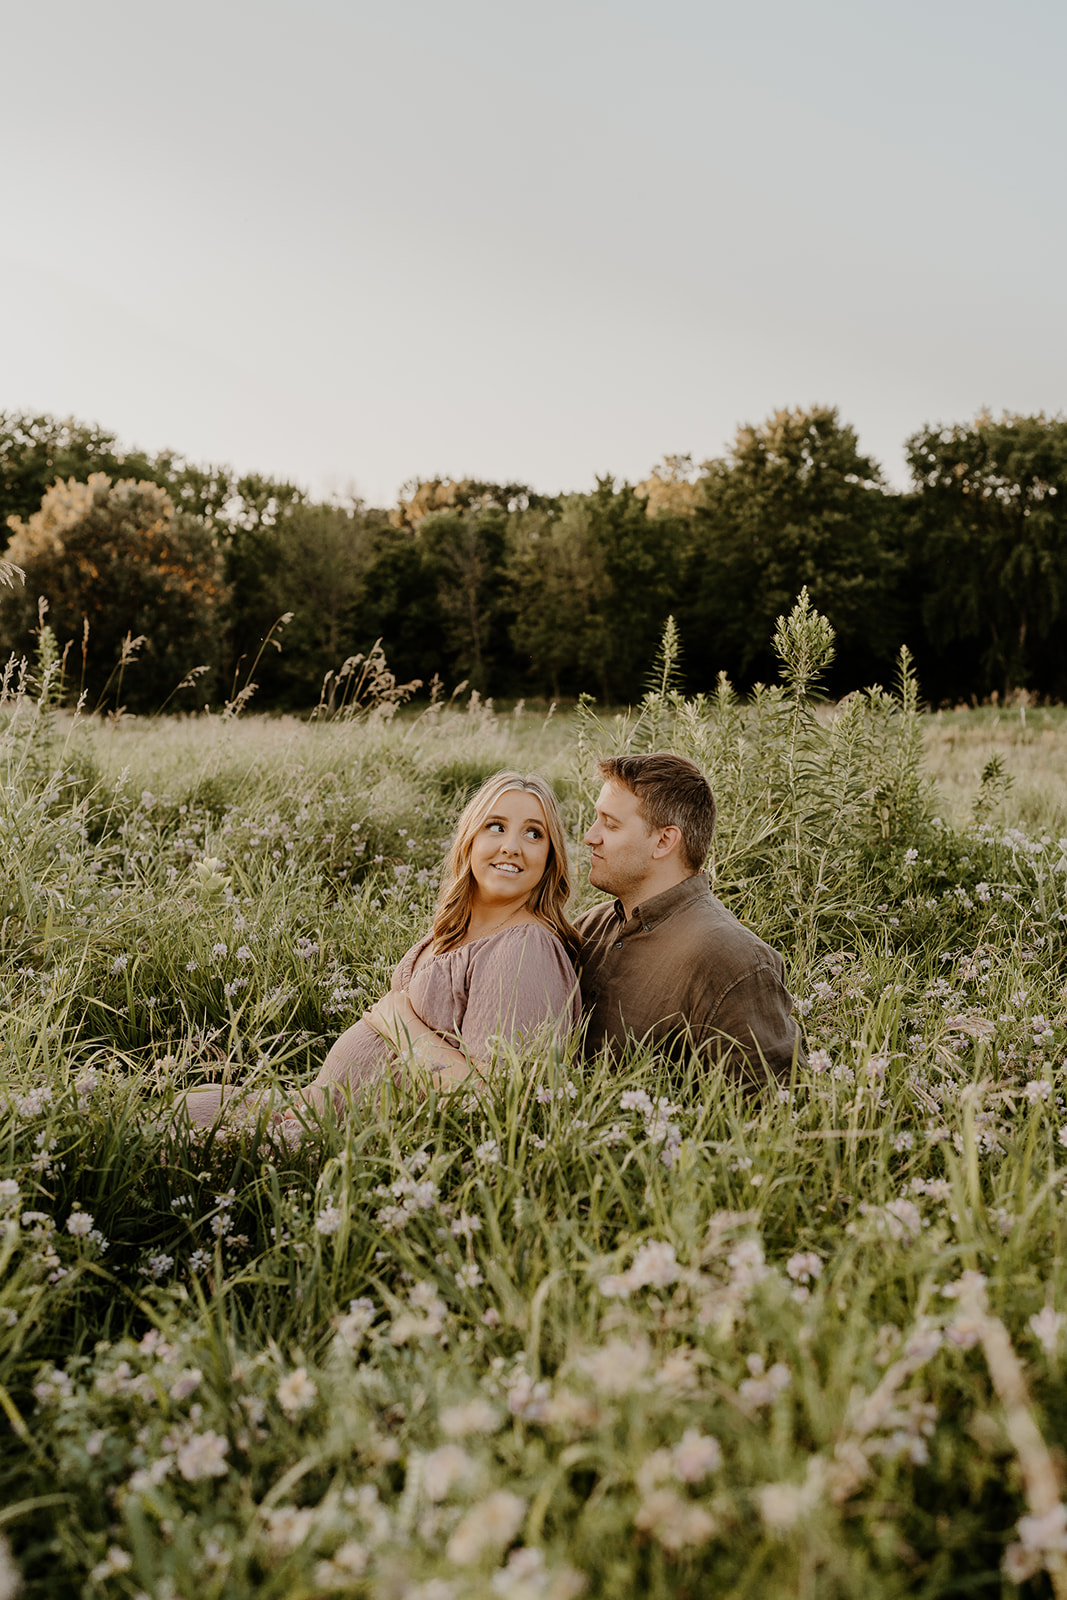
(599, 1328)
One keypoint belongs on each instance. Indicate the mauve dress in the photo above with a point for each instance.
(511, 985)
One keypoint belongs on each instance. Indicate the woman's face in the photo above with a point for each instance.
(509, 852)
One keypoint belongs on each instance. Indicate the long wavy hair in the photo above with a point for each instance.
(547, 901)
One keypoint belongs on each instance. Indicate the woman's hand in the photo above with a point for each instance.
(393, 1018)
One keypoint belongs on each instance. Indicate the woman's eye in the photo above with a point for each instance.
(534, 833)
(494, 827)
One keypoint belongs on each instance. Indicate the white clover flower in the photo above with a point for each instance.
(186, 1383)
(203, 1456)
(1047, 1327)
(820, 1061)
(636, 1100)
(528, 1399)
(695, 1455)
(469, 1277)
(442, 1469)
(1037, 1090)
(1045, 1532)
(9, 1189)
(296, 1393)
(159, 1265)
(116, 1560)
(654, 1265)
(32, 1104)
(618, 1366)
(487, 1153)
(472, 1416)
(489, 1526)
(465, 1225)
(674, 1522)
(329, 1220)
(803, 1268)
(79, 1224)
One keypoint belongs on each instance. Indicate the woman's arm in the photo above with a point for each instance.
(395, 1020)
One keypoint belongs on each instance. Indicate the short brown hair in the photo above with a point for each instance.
(671, 792)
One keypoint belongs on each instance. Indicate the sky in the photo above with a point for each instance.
(348, 244)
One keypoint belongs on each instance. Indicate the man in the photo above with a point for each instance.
(667, 961)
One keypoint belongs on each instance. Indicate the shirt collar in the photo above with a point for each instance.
(650, 913)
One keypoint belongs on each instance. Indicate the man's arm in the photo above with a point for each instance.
(752, 1029)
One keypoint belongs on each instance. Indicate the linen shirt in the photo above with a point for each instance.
(683, 969)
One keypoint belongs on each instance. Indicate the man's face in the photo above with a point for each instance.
(622, 845)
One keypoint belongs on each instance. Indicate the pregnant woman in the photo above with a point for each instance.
(495, 965)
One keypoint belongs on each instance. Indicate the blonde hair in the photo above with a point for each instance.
(547, 901)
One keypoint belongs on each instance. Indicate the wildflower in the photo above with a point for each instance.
(803, 1268)
(243, 954)
(355, 1323)
(819, 1061)
(116, 1560)
(528, 1399)
(79, 1224)
(159, 1265)
(85, 1086)
(1037, 1090)
(119, 964)
(348, 1562)
(674, 1522)
(488, 1153)
(9, 1189)
(761, 1389)
(783, 1504)
(186, 1383)
(203, 1456)
(487, 1527)
(469, 1277)
(910, 857)
(32, 1104)
(695, 1455)
(1045, 1532)
(443, 1469)
(618, 1366)
(218, 949)
(472, 1416)
(296, 1393)
(329, 1220)
(1047, 1327)
(636, 1100)
(464, 1226)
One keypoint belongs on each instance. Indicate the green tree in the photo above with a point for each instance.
(989, 531)
(36, 451)
(793, 504)
(115, 561)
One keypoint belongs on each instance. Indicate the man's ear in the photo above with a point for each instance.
(669, 840)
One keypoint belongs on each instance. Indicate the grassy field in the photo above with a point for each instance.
(598, 1329)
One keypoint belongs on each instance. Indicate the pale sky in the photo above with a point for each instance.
(350, 244)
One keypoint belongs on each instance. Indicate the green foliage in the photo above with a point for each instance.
(113, 561)
(793, 505)
(989, 526)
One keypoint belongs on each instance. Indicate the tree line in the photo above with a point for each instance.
(521, 593)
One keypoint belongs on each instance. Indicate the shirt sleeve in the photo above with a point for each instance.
(519, 985)
(752, 1030)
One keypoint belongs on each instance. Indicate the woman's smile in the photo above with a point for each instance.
(509, 853)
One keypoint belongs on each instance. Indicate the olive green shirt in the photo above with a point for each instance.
(683, 968)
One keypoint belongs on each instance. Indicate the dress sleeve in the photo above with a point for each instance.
(519, 984)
